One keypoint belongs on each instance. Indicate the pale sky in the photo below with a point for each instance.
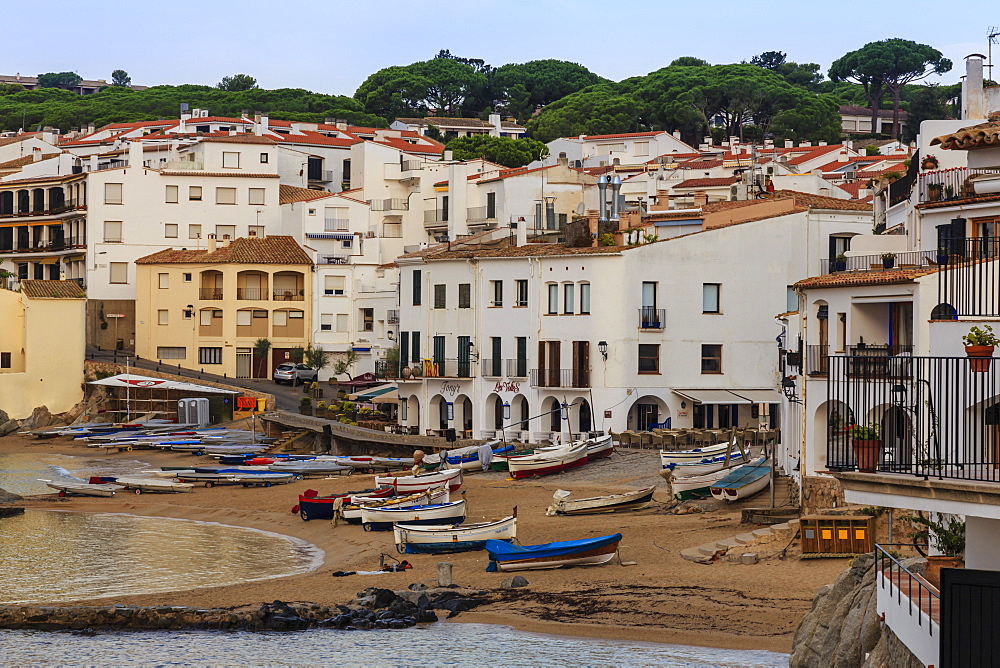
(332, 46)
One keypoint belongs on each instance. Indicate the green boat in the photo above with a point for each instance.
(499, 462)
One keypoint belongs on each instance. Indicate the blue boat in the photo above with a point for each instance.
(743, 482)
(468, 458)
(586, 552)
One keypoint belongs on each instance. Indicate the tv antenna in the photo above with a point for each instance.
(994, 33)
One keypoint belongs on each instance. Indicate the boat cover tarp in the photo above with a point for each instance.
(372, 392)
(501, 551)
(146, 382)
(744, 475)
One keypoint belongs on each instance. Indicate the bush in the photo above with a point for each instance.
(981, 337)
(865, 432)
(305, 402)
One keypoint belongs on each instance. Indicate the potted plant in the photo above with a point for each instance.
(934, 191)
(946, 535)
(888, 260)
(306, 406)
(840, 263)
(979, 345)
(315, 391)
(942, 255)
(867, 447)
(321, 409)
(929, 162)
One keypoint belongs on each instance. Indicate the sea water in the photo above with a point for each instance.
(441, 644)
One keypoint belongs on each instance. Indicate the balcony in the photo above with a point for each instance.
(52, 211)
(904, 260)
(288, 295)
(937, 417)
(816, 363)
(412, 165)
(501, 368)
(321, 175)
(517, 368)
(435, 217)
(390, 204)
(69, 243)
(392, 317)
(328, 258)
(447, 368)
(480, 214)
(910, 606)
(336, 224)
(565, 378)
(252, 294)
(970, 283)
(943, 185)
(210, 293)
(387, 370)
(651, 318)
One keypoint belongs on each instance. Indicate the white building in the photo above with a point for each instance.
(616, 149)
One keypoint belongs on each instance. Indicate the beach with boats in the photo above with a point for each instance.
(596, 529)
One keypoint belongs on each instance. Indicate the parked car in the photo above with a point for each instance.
(293, 374)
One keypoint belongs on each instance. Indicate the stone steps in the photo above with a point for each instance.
(709, 552)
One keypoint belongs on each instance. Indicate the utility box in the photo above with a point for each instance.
(836, 535)
(194, 411)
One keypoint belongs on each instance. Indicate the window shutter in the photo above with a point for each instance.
(415, 345)
(404, 348)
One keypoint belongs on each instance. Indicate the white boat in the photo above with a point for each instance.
(743, 482)
(350, 510)
(548, 461)
(694, 486)
(87, 489)
(309, 467)
(563, 505)
(422, 482)
(140, 485)
(266, 478)
(709, 464)
(383, 519)
(668, 457)
(436, 539)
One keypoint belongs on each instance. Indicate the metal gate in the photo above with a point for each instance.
(970, 617)
(244, 362)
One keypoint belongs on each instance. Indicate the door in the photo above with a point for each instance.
(648, 303)
(646, 415)
(823, 322)
(970, 617)
(581, 364)
(464, 357)
(438, 355)
(244, 362)
(951, 237)
(554, 370)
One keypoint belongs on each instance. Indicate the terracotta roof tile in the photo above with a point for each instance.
(245, 138)
(289, 194)
(4, 141)
(194, 172)
(707, 183)
(822, 202)
(24, 160)
(428, 145)
(244, 250)
(858, 278)
(529, 250)
(36, 289)
(976, 136)
(959, 202)
(623, 135)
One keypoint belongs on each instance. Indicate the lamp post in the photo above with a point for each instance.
(602, 347)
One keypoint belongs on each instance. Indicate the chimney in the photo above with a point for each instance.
(821, 143)
(342, 126)
(93, 163)
(521, 233)
(252, 234)
(677, 134)
(842, 155)
(135, 153)
(563, 160)
(36, 154)
(446, 155)
(495, 122)
(602, 189)
(707, 140)
(700, 199)
(973, 103)
(804, 144)
(789, 143)
(849, 144)
(226, 240)
(616, 186)
(213, 244)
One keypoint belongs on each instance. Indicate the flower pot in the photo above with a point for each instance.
(934, 194)
(317, 394)
(306, 410)
(888, 262)
(867, 454)
(938, 561)
(980, 358)
(840, 265)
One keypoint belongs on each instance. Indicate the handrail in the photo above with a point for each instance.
(924, 591)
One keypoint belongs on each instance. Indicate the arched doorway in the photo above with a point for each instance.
(463, 414)
(410, 413)
(897, 439)
(438, 413)
(520, 411)
(647, 410)
(831, 437)
(494, 408)
(553, 408)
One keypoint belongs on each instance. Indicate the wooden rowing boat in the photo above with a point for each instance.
(548, 462)
(383, 519)
(743, 482)
(612, 503)
(585, 552)
(439, 539)
(423, 482)
(312, 506)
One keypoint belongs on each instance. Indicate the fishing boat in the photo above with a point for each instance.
(311, 468)
(743, 482)
(438, 539)
(499, 462)
(696, 486)
(668, 457)
(548, 462)
(79, 487)
(612, 503)
(585, 552)
(597, 448)
(423, 482)
(140, 485)
(312, 506)
(468, 458)
(709, 464)
(383, 519)
(350, 509)
(265, 478)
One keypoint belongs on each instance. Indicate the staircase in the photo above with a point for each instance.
(287, 441)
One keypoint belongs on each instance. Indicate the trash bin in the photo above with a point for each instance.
(449, 435)
(119, 344)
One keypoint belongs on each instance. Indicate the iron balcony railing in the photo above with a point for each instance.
(333, 258)
(289, 294)
(900, 189)
(387, 370)
(449, 368)
(922, 600)
(577, 377)
(390, 204)
(517, 368)
(209, 293)
(933, 417)
(392, 316)
(251, 293)
(651, 318)
(969, 282)
(874, 262)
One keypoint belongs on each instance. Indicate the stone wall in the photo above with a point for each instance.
(820, 493)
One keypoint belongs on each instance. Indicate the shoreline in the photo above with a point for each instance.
(663, 599)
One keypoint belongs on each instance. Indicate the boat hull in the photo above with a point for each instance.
(547, 463)
(437, 539)
(82, 488)
(321, 507)
(743, 482)
(601, 448)
(694, 455)
(423, 482)
(696, 486)
(605, 504)
(590, 552)
(383, 519)
(352, 513)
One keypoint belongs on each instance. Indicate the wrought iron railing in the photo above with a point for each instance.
(874, 262)
(332, 258)
(392, 316)
(210, 293)
(577, 377)
(900, 189)
(816, 360)
(289, 294)
(920, 596)
(517, 368)
(970, 278)
(492, 367)
(251, 293)
(652, 318)
(933, 417)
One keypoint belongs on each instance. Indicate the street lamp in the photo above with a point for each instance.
(602, 346)
(506, 411)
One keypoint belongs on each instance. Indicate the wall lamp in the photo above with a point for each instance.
(506, 411)
(602, 346)
(788, 389)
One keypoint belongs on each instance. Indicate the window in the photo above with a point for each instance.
(255, 231)
(521, 359)
(230, 160)
(280, 319)
(711, 358)
(346, 243)
(440, 295)
(553, 299)
(343, 325)
(171, 353)
(415, 345)
(225, 195)
(4, 360)
(521, 292)
(223, 231)
(416, 287)
(497, 292)
(164, 281)
(187, 277)
(333, 285)
(210, 355)
(791, 299)
(367, 319)
(170, 230)
(262, 314)
(568, 292)
(119, 272)
(162, 317)
(243, 318)
(172, 194)
(648, 295)
(208, 314)
(710, 298)
(326, 322)
(194, 193)
(256, 196)
(491, 205)
(641, 148)
(464, 295)
(194, 231)
(112, 193)
(585, 298)
(649, 358)
(264, 158)
(112, 231)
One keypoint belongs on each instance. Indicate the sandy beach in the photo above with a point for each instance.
(662, 598)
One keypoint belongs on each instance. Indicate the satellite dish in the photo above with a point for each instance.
(580, 210)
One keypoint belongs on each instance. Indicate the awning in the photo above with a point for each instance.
(343, 236)
(148, 383)
(372, 392)
(760, 396)
(700, 396)
(364, 379)
(387, 398)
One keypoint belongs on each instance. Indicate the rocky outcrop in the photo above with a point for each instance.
(9, 497)
(7, 424)
(373, 608)
(843, 628)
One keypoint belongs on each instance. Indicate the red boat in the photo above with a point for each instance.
(546, 462)
(314, 507)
